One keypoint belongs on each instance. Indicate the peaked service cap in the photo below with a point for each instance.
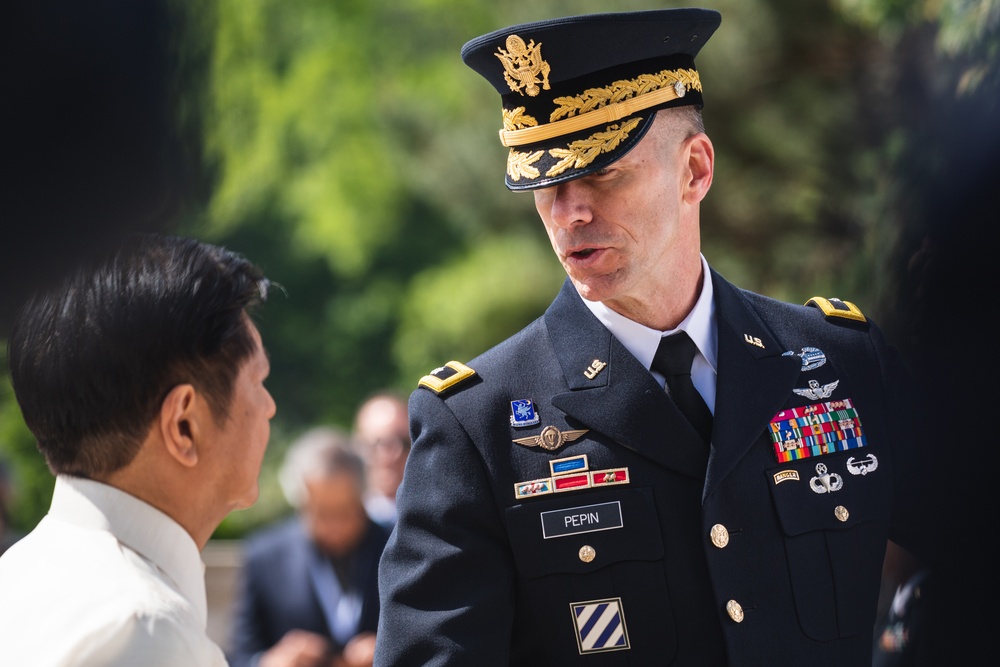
(579, 92)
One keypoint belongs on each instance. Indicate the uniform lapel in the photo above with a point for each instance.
(754, 381)
(620, 398)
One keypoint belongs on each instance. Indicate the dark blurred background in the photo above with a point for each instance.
(90, 144)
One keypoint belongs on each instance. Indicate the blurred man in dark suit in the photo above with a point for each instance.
(308, 594)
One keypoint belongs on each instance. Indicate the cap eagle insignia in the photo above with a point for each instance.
(522, 64)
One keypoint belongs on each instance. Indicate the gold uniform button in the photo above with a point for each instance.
(587, 553)
(735, 611)
(841, 513)
(720, 536)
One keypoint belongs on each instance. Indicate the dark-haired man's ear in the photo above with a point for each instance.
(179, 424)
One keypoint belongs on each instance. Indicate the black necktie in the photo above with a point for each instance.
(673, 359)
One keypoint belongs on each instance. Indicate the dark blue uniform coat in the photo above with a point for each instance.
(628, 573)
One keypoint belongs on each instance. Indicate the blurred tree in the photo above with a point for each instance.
(932, 95)
(30, 478)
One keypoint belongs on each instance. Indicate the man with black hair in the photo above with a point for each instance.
(141, 376)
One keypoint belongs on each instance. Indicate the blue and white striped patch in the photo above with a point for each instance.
(600, 625)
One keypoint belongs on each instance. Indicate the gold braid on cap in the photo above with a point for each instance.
(582, 152)
(516, 119)
(519, 164)
(605, 105)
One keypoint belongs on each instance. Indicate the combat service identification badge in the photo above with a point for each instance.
(599, 625)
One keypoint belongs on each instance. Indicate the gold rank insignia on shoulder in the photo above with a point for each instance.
(837, 308)
(446, 377)
(551, 438)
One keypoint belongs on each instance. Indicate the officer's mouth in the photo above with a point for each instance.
(584, 255)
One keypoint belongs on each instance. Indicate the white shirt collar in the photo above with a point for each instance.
(699, 324)
(642, 341)
(139, 526)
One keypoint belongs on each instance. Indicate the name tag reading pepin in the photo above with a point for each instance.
(578, 520)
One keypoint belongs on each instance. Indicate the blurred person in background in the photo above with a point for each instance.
(141, 377)
(382, 430)
(307, 591)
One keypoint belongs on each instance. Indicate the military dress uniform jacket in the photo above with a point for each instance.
(616, 537)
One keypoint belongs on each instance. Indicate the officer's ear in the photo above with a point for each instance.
(180, 422)
(700, 163)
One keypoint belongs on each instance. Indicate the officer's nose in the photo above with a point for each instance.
(565, 205)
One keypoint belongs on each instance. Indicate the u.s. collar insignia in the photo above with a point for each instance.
(551, 438)
(522, 413)
(596, 366)
(522, 64)
(817, 391)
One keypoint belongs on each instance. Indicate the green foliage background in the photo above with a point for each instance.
(345, 148)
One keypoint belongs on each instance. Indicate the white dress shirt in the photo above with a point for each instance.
(104, 579)
(699, 324)
(381, 509)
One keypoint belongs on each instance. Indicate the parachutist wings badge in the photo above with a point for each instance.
(551, 438)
